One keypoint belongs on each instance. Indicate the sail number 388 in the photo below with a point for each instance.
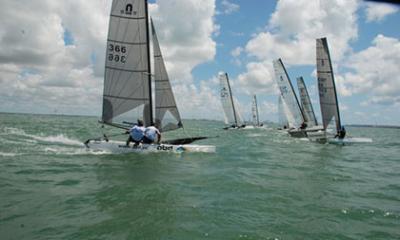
(116, 53)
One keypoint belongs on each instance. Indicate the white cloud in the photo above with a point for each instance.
(290, 35)
(379, 11)
(38, 72)
(375, 70)
(228, 7)
(293, 30)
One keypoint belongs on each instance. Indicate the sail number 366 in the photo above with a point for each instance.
(116, 53)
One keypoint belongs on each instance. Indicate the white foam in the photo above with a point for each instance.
(4, 154)
(60, 138)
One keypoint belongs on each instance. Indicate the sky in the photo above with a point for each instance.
(52, 54)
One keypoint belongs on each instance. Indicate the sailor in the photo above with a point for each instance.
(136, 133)
(341, 133)
(303, 125)
(150, 135)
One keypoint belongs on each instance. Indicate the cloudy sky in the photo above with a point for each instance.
(52, 53)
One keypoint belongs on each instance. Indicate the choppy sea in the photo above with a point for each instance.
(260, 184)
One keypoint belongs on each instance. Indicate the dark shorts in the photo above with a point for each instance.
(147, 141)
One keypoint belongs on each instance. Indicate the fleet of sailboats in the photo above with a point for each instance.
(128, 90)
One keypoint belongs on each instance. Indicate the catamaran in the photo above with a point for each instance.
(254, 113)
(294, 113)
(329, 101)
(231, 113)
(128, 92)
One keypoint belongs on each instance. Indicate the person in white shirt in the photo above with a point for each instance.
(150, 134)
(136, 133)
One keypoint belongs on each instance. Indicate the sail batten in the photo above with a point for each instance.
(306, 104)
(167, 116)
(127, 83)
(294, 113)
(326, 85)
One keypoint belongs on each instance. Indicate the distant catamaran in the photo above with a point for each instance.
(294, 113)
(306, 105)
(231, 113)
(329, 101)
(254, 111)
(128, 82)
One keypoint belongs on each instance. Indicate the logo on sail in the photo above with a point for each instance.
(128, 10)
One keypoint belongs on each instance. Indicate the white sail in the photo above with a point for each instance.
(282, 119)
(288, 95)
(306, 104)
(127, 80)
(254, 112)
(232, 115)
(166, 115)
(326, 86)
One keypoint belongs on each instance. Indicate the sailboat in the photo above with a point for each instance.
(294, 113)
(306, 105)
(328, 100)
(254, 113)
(231, 113)
(128, 83)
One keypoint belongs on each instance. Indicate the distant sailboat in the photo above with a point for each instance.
(254, 113)
(306, 104)
(294, 114)
(328, 100)
(128, 85)
(231, 113)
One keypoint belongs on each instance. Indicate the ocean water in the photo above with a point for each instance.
(260, 184)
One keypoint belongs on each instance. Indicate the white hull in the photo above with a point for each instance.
(325, 137)
(118, 147)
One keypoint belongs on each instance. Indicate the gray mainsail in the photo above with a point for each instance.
(230, 110)
(166, 115)
(127, 80)
(306, 104)
(326, 85)
(288, 95)
(254, 110)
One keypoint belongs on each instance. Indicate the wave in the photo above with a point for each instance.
(5, 154)
(59, 138)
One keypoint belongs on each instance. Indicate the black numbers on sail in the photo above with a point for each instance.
(116, 53)
(116, 48)
(116, 58)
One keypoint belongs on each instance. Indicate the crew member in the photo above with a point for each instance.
(136, 133)
(150, 135)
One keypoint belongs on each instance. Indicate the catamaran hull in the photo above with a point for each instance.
(119, 147)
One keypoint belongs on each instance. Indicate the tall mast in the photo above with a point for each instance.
(148, 62)
(233, 104)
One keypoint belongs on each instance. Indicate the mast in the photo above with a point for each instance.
(148, 62)
(233, 104)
